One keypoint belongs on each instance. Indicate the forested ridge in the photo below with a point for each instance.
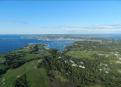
(83, 64)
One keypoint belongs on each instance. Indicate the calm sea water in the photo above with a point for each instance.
(11, 42)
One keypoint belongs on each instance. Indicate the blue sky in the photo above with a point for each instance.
(60, 17)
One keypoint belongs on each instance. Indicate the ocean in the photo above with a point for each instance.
(12, 42)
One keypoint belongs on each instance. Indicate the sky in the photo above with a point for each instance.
(60, 17)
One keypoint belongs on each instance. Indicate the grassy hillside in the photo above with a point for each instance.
(84, 64)
(34, 76)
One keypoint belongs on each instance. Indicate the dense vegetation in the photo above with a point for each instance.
(84, 64)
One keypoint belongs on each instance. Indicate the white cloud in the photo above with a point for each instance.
(25, 28)
(97, 29)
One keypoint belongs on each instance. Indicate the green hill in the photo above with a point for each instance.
(94, 64)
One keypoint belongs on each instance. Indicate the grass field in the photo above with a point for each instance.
(81, 54)
(35, 77)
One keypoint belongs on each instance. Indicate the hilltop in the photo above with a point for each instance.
(83, 64)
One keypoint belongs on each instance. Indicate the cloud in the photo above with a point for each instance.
(29, 28)
(97, 29)
(94, 29)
